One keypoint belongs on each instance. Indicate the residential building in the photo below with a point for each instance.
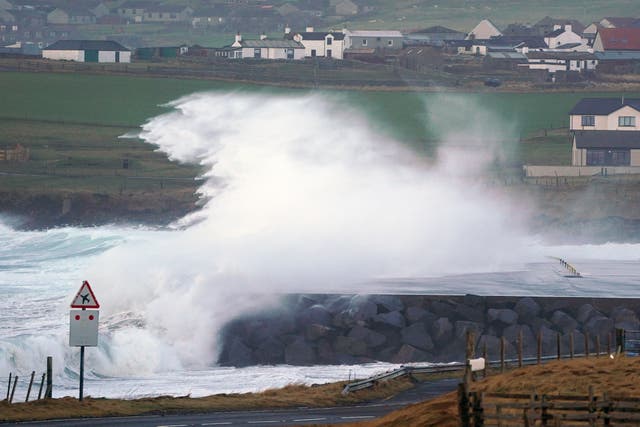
(547, 25)
(321, 44)
(134, 10)
(87, 51)
(561, 61)
(373, 39)
(606, 132)
(60, 16)
(563, 35)
(266, 49)
(210, 16)
(167, 13)
(484, 31)
(619, 22)
(617, 40)
(433, 36)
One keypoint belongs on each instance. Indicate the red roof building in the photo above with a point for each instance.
(617, 39)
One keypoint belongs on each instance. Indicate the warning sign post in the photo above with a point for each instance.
(83, 324)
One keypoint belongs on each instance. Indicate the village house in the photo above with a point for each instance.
(619, 22)
(210, 16)
(167, 13)
(484, 31)
(266, 49)
(560, 61)
(605, 132)
(323, 44)
(344, 7)
(548, 24)
(133, 10)
(87, 51)
(563, 35)
(433, 36)
(373, 39)
(60, 16)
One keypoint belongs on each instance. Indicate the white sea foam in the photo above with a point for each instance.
(302, 195)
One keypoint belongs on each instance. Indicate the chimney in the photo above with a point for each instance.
(309, 29)
(238, 37)
(556, 27)
(567, 28)
(263, 36)
(287, 30)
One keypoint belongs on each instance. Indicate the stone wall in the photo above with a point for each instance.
(338, 329)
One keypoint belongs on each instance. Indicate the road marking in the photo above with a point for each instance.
(263, 422)
(174, 425)
(357, 417)
(309, 419)
(221, 423)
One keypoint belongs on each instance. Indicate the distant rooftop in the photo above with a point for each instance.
(603, 106)
(108, 45)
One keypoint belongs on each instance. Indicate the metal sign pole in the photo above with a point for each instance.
(81, 370)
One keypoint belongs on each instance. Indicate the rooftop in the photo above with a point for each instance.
(607, 139)
(87, 45)
(603, 106)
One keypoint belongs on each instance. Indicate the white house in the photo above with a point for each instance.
(267, 49)
(560, 61)
(484, 31)
(563, 35)
(87, 51)
(321, 43)
(606, 132)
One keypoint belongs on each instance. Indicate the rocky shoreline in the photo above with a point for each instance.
(353, 329)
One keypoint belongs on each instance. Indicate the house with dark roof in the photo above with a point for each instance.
(167, 13)
(606, 132)
(561, 61)
(265, 49)
(323, 44)
(548, 24)
(432, 36)
(619, 22)
(87, 51)
(563, 35)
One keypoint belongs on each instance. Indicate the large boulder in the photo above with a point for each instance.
(238, 353)
(441, 330)
(392, 318)
(461, 327)
(350, 346)
(314, 331)
(586, 312)
(504, 315)
(370, 337)
(299, 352)
(408, 353)
(528, 310)
(388, 303)
(361, 308)
(624, 318)
(563, 321)
(417, 314)
(599, 325)
(316, 314)
(269, 352)
(417, 336)
(472, 314)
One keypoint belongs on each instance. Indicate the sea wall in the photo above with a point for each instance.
(339, 329)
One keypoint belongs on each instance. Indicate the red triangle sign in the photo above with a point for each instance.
(85, 298)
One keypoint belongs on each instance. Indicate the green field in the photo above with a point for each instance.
(71, 121)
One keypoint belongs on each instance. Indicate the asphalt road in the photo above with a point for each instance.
(279, 417)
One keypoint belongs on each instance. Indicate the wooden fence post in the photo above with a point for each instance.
(586, 344)
(9, 386)
(571, 344)
(486, 361)
(597, 345)
(33, 373)
(539, 346)
(463, 405)
(609, 343)
(41, 384)
(558, 345)
(520, 348)
(13, 390)
(478, 416)
(470, 351)
(619, 341)
(49, 390)
(502, 345)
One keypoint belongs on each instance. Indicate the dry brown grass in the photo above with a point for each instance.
(287, 397)
(618, 377)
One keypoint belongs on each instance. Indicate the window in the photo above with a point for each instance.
(329, 41)
(289, 53)
(588, 120)
(364, 42)
(626, 121)
(390, 43)
(604, 157)
(328, 53)
(313, 53)
(257, 53)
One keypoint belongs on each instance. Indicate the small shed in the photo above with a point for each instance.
(87, 51)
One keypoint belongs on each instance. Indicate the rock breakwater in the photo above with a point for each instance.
(351, 329)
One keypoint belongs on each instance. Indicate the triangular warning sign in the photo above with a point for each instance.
(85, 298)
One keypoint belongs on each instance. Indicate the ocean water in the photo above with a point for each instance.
(300, 194)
